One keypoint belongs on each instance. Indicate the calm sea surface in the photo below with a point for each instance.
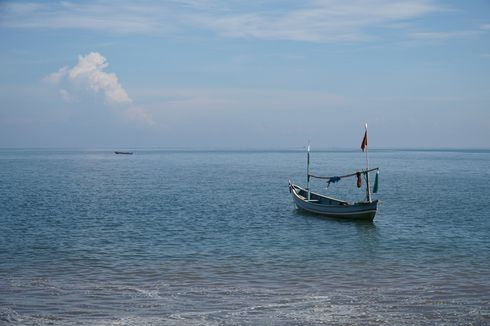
(213, 238)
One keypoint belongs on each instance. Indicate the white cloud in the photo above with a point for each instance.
(193, 100)
(66, 95)
(319, 21)
(89, 70)
(443, 36)
(138, 114)
(310, 20)
(57, 76)
(89, 73)
(18, 8)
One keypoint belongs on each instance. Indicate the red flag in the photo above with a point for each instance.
(364, 143)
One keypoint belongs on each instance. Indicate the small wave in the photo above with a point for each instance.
(9, 315)
(139, 292)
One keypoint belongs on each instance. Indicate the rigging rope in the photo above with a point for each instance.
(337, 178)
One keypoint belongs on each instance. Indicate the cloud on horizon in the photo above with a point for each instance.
(89, 73)
(308, 21)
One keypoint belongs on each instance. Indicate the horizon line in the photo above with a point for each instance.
(245, 149)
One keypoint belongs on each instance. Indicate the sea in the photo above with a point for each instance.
(212, 237)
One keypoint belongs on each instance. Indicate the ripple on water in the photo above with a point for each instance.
(212, 238)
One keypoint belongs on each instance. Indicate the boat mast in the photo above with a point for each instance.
(368, 190)
(308, 170)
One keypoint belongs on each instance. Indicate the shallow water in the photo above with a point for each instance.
(211, 238)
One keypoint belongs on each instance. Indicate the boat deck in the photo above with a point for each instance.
(316, 198)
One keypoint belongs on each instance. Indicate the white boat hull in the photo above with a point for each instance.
(332, 207)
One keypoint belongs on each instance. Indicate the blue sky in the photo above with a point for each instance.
(244, 74)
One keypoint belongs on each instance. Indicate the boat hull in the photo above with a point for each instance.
(331, 207)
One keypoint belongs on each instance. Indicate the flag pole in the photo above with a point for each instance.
(368, 190)
(308, 170)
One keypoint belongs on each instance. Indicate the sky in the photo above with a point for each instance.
(232, 74)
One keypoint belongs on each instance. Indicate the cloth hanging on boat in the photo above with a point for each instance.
(375, 187)
(332, 180)
(359, 179)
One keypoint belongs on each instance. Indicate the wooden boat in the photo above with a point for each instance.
(316, 203)
(125, 153)
(331, 207)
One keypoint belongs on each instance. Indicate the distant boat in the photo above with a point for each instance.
(331, 207)
(125, 153)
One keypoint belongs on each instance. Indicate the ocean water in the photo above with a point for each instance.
(213, 238)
